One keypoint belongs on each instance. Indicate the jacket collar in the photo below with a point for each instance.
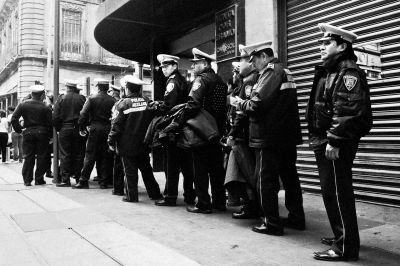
(270, 65)
(134, 95)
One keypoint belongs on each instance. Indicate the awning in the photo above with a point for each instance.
(130, 28)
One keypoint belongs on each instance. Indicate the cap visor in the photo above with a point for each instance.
(325, 39)
(251, 58)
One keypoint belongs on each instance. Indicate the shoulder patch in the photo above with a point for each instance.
(350, 81)
(196, 85)
(170, 87)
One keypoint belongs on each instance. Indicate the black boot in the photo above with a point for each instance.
(248, 211)
(82, 185)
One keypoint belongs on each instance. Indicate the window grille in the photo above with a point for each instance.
(71, 32)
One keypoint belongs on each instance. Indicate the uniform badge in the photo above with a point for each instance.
(349, 82)
(170, 87)
(270, 66)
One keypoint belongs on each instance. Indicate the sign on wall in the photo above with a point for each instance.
(226, 33)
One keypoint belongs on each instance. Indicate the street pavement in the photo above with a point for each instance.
(46, 225)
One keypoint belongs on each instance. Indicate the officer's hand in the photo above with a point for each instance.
(154, 104)
(233, 101)
(331, 153)
(51, 141)
(230, 141)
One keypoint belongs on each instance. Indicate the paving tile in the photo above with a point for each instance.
(13, 202)
(385, 237)
(130, 248)
(15, 251)
(6, 225)
(10, 176)
(81, 216)
(65, 247)
(51, 200)
(30, 222)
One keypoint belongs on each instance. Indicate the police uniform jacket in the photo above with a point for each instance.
(129, 127)
(36, 115)
(67, 109)
(339, 108)
(96, 111)
(208, 92)
(239, 120)
(176, 91)
(272, 110)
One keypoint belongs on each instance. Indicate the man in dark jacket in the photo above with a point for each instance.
(72, 145)
(274, 133)
(208, 92)
(118, 169)
(241, 164)
(127, 138)
(176, 159)
(338, 115)
(96, 115)
(36, 135)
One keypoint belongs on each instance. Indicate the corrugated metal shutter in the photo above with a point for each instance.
(377, 23)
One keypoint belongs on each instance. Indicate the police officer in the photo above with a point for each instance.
(338, 115)
(274, 133)
(176, 159)
(36, 135)
(127, 138)
(209, 92)
(118, 169)
(242, 157)
(96, 115)
(72, 144)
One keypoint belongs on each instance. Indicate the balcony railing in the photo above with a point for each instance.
(109, 58)
(73, 50)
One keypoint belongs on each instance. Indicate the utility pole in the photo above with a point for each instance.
(56, 58)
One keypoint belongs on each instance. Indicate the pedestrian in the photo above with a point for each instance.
(118, 169)
(234, 189)
(16, 139)
(71, 143)
(127, 139)
(176, 159)
(3, 135)
(49, 102)
(338, 115)
(240, 175)
(95, 121)
(208, 92)
(37, 133)
(274, 132)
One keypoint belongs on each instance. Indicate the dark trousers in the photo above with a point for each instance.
(338, 195)
(177, 160)
(131, 166)
(34, 145)
(208, 167)
(17, 146)
(96, 145)
(72, 151)
(272, 163)
(118, 174)
(3, 145)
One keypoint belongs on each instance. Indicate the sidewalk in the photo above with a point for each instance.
(45, 225)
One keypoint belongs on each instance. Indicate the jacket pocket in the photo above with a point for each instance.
(322, 116)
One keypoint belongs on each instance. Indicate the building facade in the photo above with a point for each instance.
(176, 26)
(26, 40)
